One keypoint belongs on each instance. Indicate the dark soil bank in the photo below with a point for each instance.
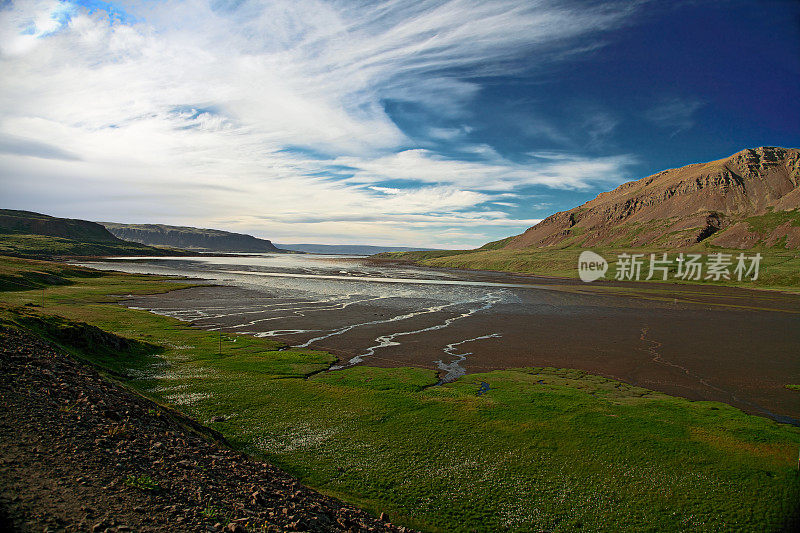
(80, 453)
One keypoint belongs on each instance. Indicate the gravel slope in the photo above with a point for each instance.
(81, 453)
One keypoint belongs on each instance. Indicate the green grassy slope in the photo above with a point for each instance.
(765, 224)
(544, 448)
(30, 223)
(780, 268)
(28, 234)
(26, 274)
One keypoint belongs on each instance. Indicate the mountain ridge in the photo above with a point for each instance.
(702, 202)
(15, 221)
(747, 201)
(31, 234)
(191, 238)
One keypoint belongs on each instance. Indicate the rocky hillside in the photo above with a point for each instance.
(80, 453)
(187, 238)
(748, 199)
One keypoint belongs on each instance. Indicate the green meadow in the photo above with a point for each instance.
(24, 245)
(542, 449)
(779, 268)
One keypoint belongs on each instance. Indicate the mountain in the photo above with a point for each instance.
(30, 223)
(345, 249)
(187, 238)
(29, 234)
(748, 199)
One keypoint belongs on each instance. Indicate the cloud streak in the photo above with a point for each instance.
(271, 116)
(673, 113)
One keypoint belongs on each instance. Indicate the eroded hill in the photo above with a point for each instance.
(748, 199)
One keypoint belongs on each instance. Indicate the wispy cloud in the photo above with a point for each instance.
(10, 144)
(599, 126)
(488, 173)
(270, 116)
(674, 113)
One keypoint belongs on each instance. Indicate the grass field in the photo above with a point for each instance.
(543, 448)
(779, 268)
(47, 246)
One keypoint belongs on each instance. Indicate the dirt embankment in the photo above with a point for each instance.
(80, 453)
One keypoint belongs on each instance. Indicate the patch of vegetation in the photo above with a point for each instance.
(577, 231)
(495, 245)
(767, 223)
(47, 246)
(555, 262)
(793, 387)
(419, 255)
(779, 269)
(20, 274)
(142, 482)
(110, 351)
(277, 363)
(215, 511)
(28, 234)
(542, 449)
(381, 379)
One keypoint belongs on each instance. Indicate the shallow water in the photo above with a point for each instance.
(713, 343)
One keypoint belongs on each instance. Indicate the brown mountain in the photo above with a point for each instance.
(748, 199)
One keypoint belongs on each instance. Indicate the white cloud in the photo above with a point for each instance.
(198, 113)
(491, 172)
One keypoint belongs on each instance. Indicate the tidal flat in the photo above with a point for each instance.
(702, 342)
(542, 448)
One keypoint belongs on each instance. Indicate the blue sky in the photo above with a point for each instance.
(432, 123)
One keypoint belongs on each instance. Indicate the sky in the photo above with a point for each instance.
(435, 123)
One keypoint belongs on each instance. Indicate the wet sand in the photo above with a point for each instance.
(701, 342)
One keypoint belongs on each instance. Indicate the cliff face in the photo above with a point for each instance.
(187, 238)
(750, 198)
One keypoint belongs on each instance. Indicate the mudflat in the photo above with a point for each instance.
(702, 342)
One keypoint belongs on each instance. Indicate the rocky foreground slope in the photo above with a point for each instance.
(748, 199)
(80, 453)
